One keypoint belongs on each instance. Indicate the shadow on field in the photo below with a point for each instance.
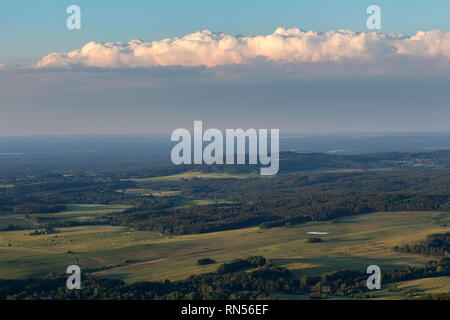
(327, 264)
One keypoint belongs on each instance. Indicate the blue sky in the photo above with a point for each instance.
(297, 82)
(31, 29)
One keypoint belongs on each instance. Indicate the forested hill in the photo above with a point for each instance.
(291, 162)
(198, 199)
(154, 160)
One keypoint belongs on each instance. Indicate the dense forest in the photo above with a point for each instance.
(273, 213)
(233, 203)
(262, 282)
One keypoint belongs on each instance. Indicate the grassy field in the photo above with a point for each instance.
(413, 288)
(8, 218)
(410, 289)
(199, 202)
(192, 175)
(173, 193)
(78, 212)
(149, 192)
(73, 212)
(118, 252)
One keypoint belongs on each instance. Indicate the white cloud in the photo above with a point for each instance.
(284, 46)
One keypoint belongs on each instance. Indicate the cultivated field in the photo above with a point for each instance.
(73, 212)
(118, 252)
(413, 288)
(192, 175)
(76, 212)
(149, 192)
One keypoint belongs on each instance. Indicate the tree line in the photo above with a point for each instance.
(437, 244)
(261, 283)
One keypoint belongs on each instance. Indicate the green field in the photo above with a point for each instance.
(199, 202)
(77, 212)
(149, 192)
(181, 203)
(191, 175)
(413, 288)
(73, 212)
(118, 252)
(8, 218)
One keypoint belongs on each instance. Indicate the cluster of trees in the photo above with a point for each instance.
(30, 208)
(272, 202)
(47, 230)
(49, 193)
(239, 190)
(12, 227)
(50, 222)
(261, 283)
(202, 262)
(437, 244)
(314, 240)
(291, 162)
(436, 296)
(276, 212)
(239, 264)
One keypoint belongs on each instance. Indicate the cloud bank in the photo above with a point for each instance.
(284, 46)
